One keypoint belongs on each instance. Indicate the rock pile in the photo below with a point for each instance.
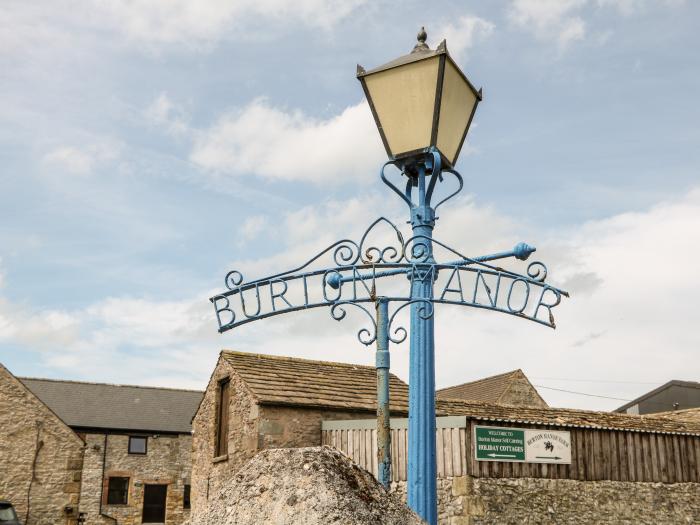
(305, 486)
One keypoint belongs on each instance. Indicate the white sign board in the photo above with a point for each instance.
(547, 446)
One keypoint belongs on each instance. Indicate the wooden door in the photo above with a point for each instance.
(154, 503)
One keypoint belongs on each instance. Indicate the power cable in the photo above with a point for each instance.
(599, 381)
(582, 393)
(659, 403)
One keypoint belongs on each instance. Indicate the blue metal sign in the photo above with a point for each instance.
(357, 272)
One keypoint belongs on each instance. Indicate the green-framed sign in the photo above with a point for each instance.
(524, 445)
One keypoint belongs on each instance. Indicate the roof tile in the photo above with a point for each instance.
(304, 382)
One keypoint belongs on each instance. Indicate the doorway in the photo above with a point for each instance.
(154, 503)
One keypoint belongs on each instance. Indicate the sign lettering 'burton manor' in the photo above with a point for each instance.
(522, 445)
(361, 273)
(492, 289)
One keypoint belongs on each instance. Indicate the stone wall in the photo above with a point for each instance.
(481, 501)
(208, 472)
(291, 427)
(40, 457)
(520, 392)
(167, 462)
(251, 428)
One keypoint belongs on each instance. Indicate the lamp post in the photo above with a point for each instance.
(423, 106)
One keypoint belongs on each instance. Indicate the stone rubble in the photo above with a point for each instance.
(305, 486)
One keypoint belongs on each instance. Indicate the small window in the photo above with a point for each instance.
(118, 491)
(137, 444)
(222, 419)
(186, 497)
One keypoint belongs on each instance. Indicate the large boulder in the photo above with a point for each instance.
(306, 486)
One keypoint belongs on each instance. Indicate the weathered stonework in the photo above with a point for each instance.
(167, 462)
(252, 427)
(208, 472)
(480, 501)
(520, 392)
(291, 427)
(40, 458)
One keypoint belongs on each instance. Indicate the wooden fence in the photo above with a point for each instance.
(617, 455)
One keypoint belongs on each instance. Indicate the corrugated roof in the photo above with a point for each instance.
(488, 390)
(567, 417)
(303, 382)
(117, 407)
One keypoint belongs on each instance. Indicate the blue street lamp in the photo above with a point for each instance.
(423, 105)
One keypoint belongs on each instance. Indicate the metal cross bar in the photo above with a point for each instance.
(521, 251)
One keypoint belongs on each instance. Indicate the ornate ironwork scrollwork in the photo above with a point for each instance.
(386, 254)
(364, 335)
(537, 271)
(400, 333)
(233, 279)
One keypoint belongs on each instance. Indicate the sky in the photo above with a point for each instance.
(149, 147)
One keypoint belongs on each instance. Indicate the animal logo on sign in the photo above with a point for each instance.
(548, 446)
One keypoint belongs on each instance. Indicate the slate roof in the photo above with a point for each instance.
(488, 390)
(275, 380)
(673, 382)
(117, 407)
(567, 417)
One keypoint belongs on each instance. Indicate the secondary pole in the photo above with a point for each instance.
(383, 408)
(422, 467)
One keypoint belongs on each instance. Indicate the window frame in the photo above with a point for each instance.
(187, 496)
(222, 427)
(124, 493)
(145, 447)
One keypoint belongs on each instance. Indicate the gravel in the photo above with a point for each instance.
(306, 486)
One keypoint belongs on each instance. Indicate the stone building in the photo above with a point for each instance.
(256, 401)
(41, 457)
(113, 453)
(137, 454)
(624, 469)
(511, 388)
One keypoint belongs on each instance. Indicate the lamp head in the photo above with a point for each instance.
(421, 101)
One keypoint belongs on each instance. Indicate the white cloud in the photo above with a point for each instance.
(164, 112)
(269, 142)
(81, 161)
(561, 21)
(630, 7)
(72, 159)
(196, 23)
(550, 19)
(252, 227)
(464, 33)
(52, 28)
(136, 340)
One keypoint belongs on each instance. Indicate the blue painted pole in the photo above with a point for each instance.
(383, 409)
(422, 466)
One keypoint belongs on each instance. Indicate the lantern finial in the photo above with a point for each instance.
(421, 45)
